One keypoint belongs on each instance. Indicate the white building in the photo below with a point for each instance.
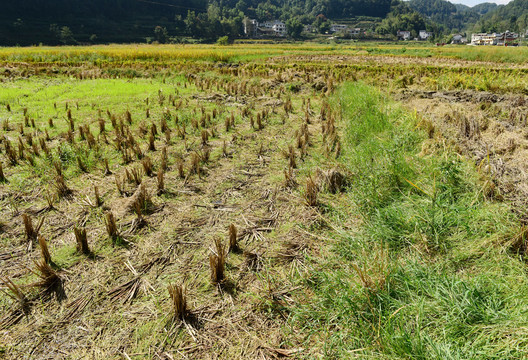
(354, 31)
(338, 28)
(278, 27)
(403, 35)
(424, 35)
(484, 39)
(458, 39)
(502, 39)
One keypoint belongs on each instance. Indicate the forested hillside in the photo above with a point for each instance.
(451, 17)
(33, 21)
(100, 21)
(513, 17)
(484, 8)
(57, 22)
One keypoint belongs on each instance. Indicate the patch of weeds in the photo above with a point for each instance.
(397, 287)
(66, 154)
(66, 256)
(294, 87)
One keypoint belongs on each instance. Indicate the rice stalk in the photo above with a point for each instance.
(98, 200)
(31, 232)
(164, 159)
(111, 227)
(181, 172)
(178, 295)
(147, 166)
(311, 192)
(217, 263)
(62, 189)
(50, 282)
(233, 243)
(2, 176)
(19, 312)
(161, 182)
(82, 241)
(44, 251)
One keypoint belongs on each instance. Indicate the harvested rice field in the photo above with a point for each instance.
(263, 202)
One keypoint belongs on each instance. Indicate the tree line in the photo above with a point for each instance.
(26, 22)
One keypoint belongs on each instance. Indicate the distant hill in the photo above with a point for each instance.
(462, 7)
(444, 13)
(479, 9)
(437, 10)
(513, 17)
(452, 17)
(484, 8)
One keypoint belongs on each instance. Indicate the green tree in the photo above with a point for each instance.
(66, 36)
(294, 28)
(55, 30)
(322, 24)
(241, 6)
(161, 34)
(224, 40)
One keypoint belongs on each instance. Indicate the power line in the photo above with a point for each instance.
(170, 5)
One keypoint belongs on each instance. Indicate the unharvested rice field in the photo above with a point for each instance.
(263, 202)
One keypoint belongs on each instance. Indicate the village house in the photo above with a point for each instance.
(424, 35)
(275, 27)
(484, 39)
(507, 38)
(458, 39)
(403, 35)
(253, 28)
(338, 28)
(345, 29)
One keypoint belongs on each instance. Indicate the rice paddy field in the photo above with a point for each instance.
(263, 201)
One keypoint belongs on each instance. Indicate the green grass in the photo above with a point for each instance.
(42, 93)
(426, 276)
(46, 98)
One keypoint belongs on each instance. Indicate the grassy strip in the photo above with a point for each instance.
(429, 274)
